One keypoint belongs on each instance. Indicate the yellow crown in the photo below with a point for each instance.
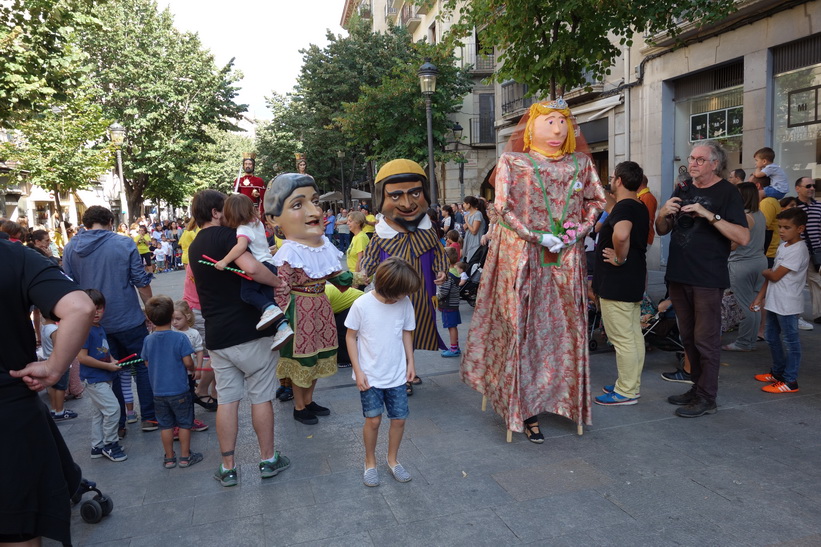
(299, 156)
(249, 155)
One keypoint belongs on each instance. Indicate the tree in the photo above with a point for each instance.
(40, 63)
(556, 45)
(220, 160)
(277, 140)
(165, 88)
(63, 149)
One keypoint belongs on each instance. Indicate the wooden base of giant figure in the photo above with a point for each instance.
(526, 350)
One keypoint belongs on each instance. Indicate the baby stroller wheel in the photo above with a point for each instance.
(91, 511)
(593, 345)
(105, 503)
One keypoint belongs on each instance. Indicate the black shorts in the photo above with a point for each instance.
(146, 259)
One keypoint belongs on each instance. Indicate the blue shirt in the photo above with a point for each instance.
(97, 346)
(163, 351)
(110, 263)
(329, 229)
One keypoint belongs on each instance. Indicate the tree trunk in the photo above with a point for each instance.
(134, 196)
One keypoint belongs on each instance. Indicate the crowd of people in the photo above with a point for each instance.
(279, 293)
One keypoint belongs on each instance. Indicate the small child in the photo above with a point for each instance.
(453, 241)
(241, 214)
(98, 369)
(178, 258)
(159, 258)
(169, 254)
(781, 296)
(167, 355)
(382, 359)
(57, 392)
(764, 166)
(448, 296)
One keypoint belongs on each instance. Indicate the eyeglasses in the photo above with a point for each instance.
(697, 161)
(809, 186)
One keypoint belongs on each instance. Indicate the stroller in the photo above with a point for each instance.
(660, 328)
(474, 271)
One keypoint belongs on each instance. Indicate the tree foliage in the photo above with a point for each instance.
(165, 88)
(277, 139)
(219, 161)
(63, 149)
(39, 61)
(553, 45)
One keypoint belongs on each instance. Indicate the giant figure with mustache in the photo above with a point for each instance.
(405, 230)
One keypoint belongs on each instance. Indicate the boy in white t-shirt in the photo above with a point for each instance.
(781, 296)
(241, 214)
(380, 345)
(159, 258)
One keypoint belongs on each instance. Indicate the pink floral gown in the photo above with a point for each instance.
(527, 345)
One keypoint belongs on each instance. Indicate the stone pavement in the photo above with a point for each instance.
(638, 476)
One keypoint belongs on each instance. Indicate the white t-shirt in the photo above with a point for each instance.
(257, 242)
(778, 178)
(785, 296)
(159, 253)
(195, 338)
(46, 330)
(379, 343)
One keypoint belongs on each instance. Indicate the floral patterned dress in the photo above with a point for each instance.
(527, 345)
(311, 354)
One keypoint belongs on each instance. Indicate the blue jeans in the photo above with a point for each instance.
(394, 399)
(771, 192)
(782, 333)
(123, 344)
(258, 295)
(175, 411)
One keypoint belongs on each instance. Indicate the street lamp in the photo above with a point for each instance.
(457, 134)
(117, 135)
(341, 155)
(427, 82)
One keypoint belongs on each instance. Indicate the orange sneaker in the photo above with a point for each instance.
(769, 378)
(780, 387)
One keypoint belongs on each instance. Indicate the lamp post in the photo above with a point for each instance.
(341, 155)
(427, 82)
(457, 134)
(117, 134)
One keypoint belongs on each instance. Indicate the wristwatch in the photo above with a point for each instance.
(716, 218)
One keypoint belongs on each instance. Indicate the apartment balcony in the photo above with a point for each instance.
(423, 9)
(514, 99)
(482, 132)
(366, 9)
(588, 90)
(478, 63)
(409, 18)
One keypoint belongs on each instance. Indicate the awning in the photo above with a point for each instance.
(359, 194)
(331, 196)
(89, 198)
(38, 194)
(337, 195)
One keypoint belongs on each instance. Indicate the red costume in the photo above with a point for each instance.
(246, 184)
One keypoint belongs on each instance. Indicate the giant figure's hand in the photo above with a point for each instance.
(553, 243)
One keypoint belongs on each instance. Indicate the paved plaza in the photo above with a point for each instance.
(747, 475)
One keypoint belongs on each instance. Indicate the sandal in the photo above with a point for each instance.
(409, 388)
(416, 380)
(206, 401)
(170, 463)
(191, 459)
(532, 432)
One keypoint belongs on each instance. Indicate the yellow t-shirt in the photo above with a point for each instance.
(341, 301)
(185, 240)
(142, 242)
(358, 245)
(367, 228)
(770, 208)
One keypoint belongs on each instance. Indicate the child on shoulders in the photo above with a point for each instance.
(382, 359)
(764, 166)
(98, 369)
(781, 296)
(167, 355)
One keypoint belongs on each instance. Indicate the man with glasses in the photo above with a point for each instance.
(703, 219)
(805, 188)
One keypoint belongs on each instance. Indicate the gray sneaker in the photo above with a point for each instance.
(399, 472)
(227, 477)
(272, 469)
(282, 337)
(371, 477)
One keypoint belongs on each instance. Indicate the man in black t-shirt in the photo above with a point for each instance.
(621, 269)
(39, 475)
(240, 354)
(705, 217)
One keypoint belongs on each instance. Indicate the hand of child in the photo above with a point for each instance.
(440, 278)
(220, 265)
(411, 372)
(756, 305)
(362, 381)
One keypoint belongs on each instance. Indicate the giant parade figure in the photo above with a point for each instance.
(526, 350)
(248, 184)
(403, 229)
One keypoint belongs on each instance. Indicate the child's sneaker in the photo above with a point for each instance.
(781, 387)
(451, 353)
(199, 426)
(769, 378)
(399, 473)
(284, 393)
(150, 425)
(131, 417)
(282, 337)
(114, 452)
(371, 477)
(96, 452)
(66, 414)
(268, 317)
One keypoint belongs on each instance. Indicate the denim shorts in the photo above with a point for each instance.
(451, 318)
(62, 383)
(175, 411)
(395, 399)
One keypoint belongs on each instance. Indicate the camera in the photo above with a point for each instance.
(683, 220)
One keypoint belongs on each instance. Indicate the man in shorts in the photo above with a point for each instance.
(241, 356)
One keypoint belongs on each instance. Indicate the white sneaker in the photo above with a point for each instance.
(282, 337)
(804, 325)
(268, 317)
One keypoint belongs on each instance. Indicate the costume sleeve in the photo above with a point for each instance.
(593, 195)
(506, 203)
(282, 294)
(341, 281)
(440, 259)
(370, 260)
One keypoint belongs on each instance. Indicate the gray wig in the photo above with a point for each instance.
(283, 186)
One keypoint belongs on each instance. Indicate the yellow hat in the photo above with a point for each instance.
(400, 167)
